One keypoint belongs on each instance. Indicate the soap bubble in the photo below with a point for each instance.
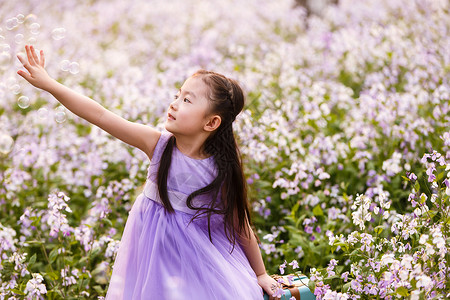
(32, 41)
(20, 18)
(19, 38)
(5, 48)
(34, 28)
(42, 113)
(74, 68)
(58, 33)
(10, 81)
(11, 23)
(5, 59)
(23, 102)
(60, 115)
(30, 19)
(15, 89)
(65, 64)
(6, 143)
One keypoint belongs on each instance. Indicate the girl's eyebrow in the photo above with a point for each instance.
(188, 92)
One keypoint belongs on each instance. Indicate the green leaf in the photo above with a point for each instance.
(35, 242)
(53, 275)
(53, 255)
(342, 244)
(417, 186)
(346, 286)
(98, 289)
(107, 221)
(32, 259)
(317, 211)
(294, 209)
(378, 229)
(423, 198)
(402, 291)
(18, 292)
(311, 285)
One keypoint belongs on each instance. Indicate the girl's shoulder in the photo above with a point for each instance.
(160, 146)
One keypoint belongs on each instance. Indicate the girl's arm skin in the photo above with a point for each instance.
(253, 253)
(134, 134)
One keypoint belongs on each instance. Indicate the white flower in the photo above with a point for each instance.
(424, 281)
(387, 259)
(423, 239)
(429, 249)
(35, 287)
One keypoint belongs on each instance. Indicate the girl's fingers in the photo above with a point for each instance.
(24, 63)
(29, 55)
(25, 75)
(42, 61)
(35, 57)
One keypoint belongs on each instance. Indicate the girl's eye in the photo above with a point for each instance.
(175, 97)
(186, 99)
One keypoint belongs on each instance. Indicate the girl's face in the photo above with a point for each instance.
(187, 114)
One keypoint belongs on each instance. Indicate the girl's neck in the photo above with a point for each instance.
(192, 148)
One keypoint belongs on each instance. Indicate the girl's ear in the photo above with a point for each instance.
(213, 123)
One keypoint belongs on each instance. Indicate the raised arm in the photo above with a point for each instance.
(134, 134)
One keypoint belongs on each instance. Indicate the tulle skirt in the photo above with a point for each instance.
(161, 257)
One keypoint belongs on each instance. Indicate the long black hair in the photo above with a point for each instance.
(227, 100)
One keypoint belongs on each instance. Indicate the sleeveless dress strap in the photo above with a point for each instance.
(177, 199)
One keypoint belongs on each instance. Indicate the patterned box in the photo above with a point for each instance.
(299, 289)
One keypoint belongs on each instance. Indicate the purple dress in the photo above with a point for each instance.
(161, 257)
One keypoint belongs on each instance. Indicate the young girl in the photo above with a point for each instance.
(188, 234)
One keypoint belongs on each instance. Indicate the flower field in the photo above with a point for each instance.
(345, 137)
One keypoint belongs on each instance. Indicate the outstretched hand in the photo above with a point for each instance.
(37, 75)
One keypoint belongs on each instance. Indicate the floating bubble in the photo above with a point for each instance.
(58, 33)
(23, 102)
(5, 59)
(10, 81)
(64, 65)
(19, 38)
(32, 41)
(60, 115)
(6, 143)
(20, 18)
(42, 113)
(30, 19)
(11, 23)
(15, 89)
(5, 48)
(60, 108)
(74, 68)
(34, 28)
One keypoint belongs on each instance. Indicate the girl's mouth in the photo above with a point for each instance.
(170, 117)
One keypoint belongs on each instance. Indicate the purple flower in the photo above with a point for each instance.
(447, 184)
(412, 176)
(294, 264)
(431, 176)
(424, 158)
(282, 267)
(345, 276)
